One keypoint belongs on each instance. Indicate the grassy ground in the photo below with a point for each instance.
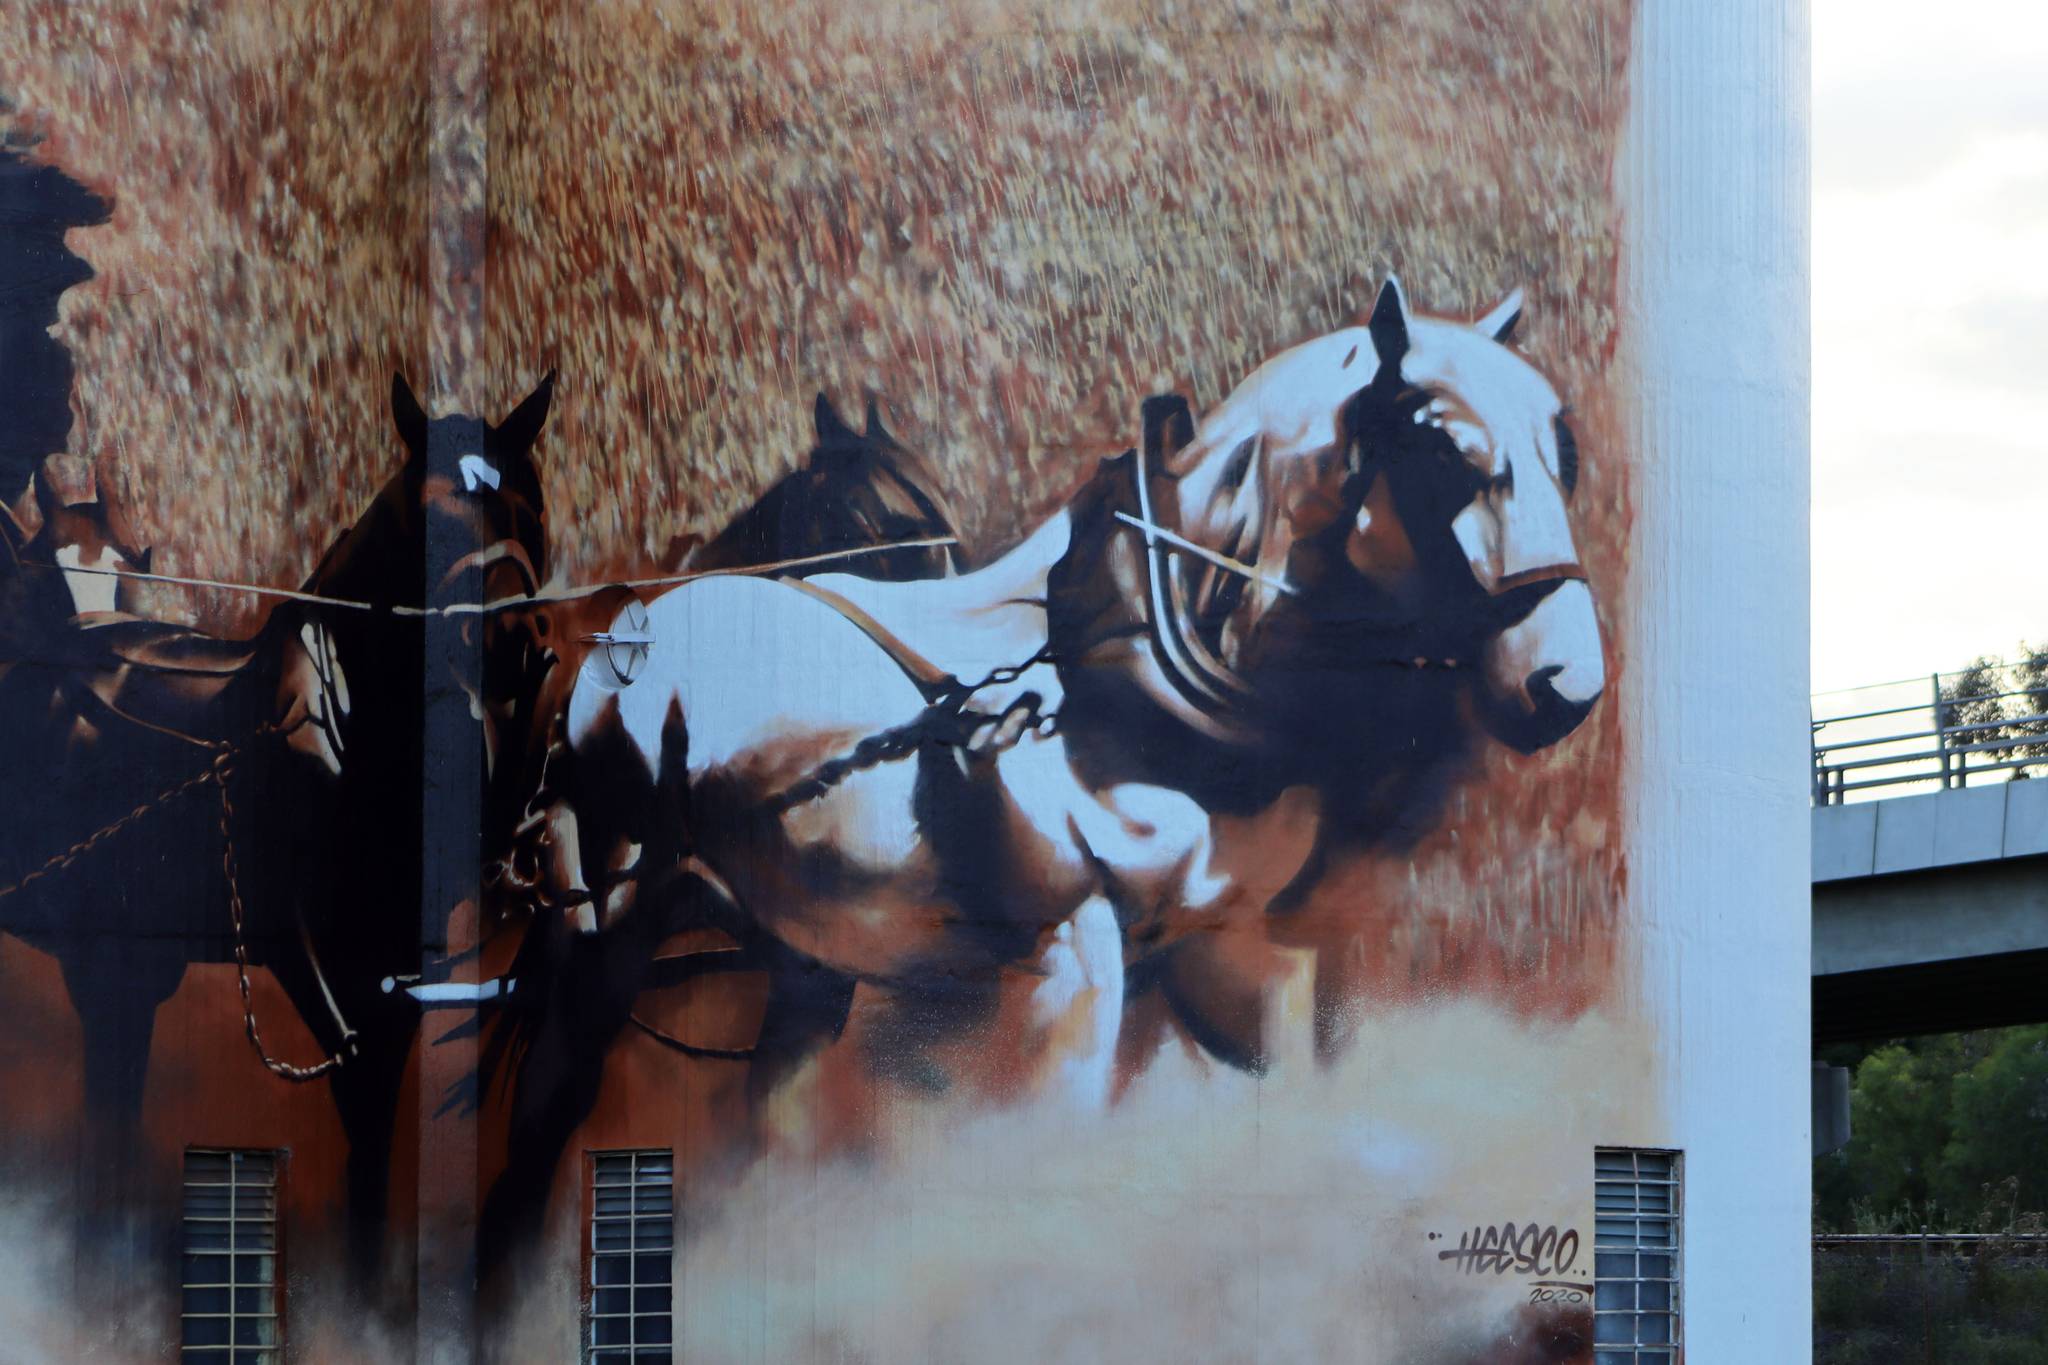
(1870, 1310)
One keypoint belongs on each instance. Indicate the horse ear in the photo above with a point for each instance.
(1389, 323)
(875, 431)
(1500, 323)
(1168, 426)
(409, 415)
(49, 501)
(142, 560)
(522, 428)
(831, 426)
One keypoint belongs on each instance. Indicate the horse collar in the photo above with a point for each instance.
(1207, 682)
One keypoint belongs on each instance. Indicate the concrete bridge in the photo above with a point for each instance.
(1930, 911)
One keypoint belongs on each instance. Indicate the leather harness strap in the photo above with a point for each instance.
(1543, 573)
(933, 681)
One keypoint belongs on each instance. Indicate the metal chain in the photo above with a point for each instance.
(216, 773)
(222, 763)
(943, 721)
(64, 860)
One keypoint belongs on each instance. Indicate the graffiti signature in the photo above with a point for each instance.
(1527, 1250)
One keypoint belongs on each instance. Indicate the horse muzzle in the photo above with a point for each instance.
(1545, 670)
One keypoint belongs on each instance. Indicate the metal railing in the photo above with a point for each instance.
(1985, 724)
(1951, 1243)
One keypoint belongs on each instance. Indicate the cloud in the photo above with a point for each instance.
(1930, 318)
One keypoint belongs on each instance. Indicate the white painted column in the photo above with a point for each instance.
(1715, 179)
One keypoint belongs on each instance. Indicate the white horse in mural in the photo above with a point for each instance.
(916, 784)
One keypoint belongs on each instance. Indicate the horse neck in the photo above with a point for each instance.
(378, 560)
(366, 562)
(1019, 575)
(959, 624)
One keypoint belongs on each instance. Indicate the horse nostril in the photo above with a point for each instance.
(1553, 715)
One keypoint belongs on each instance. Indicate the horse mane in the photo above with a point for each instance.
(855, 490)
(351, 556)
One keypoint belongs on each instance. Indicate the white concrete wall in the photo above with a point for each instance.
(1717, 299)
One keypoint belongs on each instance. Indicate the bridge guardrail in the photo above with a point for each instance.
(1949, 730)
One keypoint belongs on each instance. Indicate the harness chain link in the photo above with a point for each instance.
(222, 762)
(64, 860)
(941, 720)
(217, 773)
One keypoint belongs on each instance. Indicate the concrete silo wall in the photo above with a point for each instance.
(1114, 678)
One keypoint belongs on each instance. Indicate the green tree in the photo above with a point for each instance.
(1970, 696)
(2030, 680)
(1998, 1125)
(1937, 1122)
(1899, 1121)
(2004, 700)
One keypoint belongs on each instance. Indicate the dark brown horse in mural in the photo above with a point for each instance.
(1355, 560)
(858, 490)
(280, 783)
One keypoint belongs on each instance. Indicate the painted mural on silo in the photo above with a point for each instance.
(1036, 590)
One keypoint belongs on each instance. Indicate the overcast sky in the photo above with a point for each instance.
(1930, 334)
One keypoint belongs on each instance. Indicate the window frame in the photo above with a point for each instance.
(632, 1352)
(232, 1352)
(1666, 1172)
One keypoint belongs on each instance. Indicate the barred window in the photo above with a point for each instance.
(632, 1248)
(1636, 1209)
(230, 1273)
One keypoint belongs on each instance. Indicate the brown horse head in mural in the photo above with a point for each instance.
(858, 490)
(909, 787)
(480, 490)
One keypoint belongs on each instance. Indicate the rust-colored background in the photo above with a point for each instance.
(1011, 222)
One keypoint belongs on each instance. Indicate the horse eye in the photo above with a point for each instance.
(1567, 455)
(1469, 482)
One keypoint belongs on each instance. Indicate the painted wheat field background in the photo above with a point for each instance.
(1009, 222)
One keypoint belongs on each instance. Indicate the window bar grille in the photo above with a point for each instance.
(228, 1258)
(632, 1248)
(1636, 1271)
